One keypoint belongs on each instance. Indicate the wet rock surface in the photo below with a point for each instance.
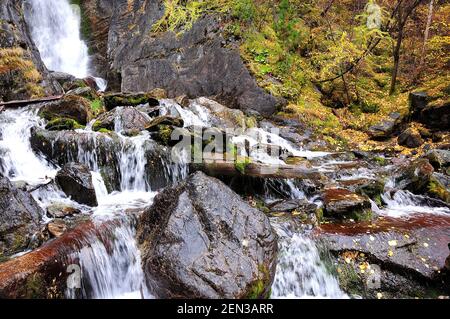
(290, 205)
(57, 228)
(411, 254)
(61, 210)
(113, 100)
(62, 147)
(19, 218)
(125, 118)
(71, 107)
(341, 203)
(201, 240)
(75, 180)
(205, 67)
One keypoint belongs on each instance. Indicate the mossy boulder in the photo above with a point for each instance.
(96, 101)
(419, 178)
(70, 107)
(371, 188)
(129, 99)
(153, 126)
(164, 135)
(74, 84)
(63, 124)
(437, 189)
(163, 127)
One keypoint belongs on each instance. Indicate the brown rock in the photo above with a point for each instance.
(410, 138)
(341, 202)
(57, 228)
(60, 210)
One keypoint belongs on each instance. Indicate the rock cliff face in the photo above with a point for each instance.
(196, 63)
(22, 72)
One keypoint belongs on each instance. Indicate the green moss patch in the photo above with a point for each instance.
(63, 124)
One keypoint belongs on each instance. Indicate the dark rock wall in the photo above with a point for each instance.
(14, 34)
(195, 63)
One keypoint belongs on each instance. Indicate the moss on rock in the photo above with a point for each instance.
(63, 124)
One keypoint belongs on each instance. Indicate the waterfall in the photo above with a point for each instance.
(18, 161)
(404, 203)
(112, 271)
(55, 28)
(300, 271)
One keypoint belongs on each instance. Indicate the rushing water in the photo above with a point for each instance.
(301, 273)
(55, 28)
(113, 269)
(17, 159)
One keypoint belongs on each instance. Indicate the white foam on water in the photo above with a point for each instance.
(404, 204)
(55, 28)
(300, 271)
(18, 161)
(115, 271)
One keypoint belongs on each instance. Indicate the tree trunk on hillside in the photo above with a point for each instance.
(403, 14)
(396, 53)
(427, 32)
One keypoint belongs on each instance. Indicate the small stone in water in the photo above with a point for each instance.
(57, 228)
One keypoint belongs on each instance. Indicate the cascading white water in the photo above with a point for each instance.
(18, 161)
(55, 28)
(115, 271)
(300, 271)
(133, 165)
(112, 273)
(404, 203)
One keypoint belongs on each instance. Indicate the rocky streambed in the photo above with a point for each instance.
(101, 184)
(193, 188)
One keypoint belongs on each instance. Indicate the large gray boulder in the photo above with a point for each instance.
(201, 240)
(19, 218)
(123, 118)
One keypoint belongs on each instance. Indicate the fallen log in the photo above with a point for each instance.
(224, 168)
(43, 273)
(22, 103)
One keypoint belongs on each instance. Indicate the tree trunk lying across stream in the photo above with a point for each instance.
(22, 103)
(218, 168)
